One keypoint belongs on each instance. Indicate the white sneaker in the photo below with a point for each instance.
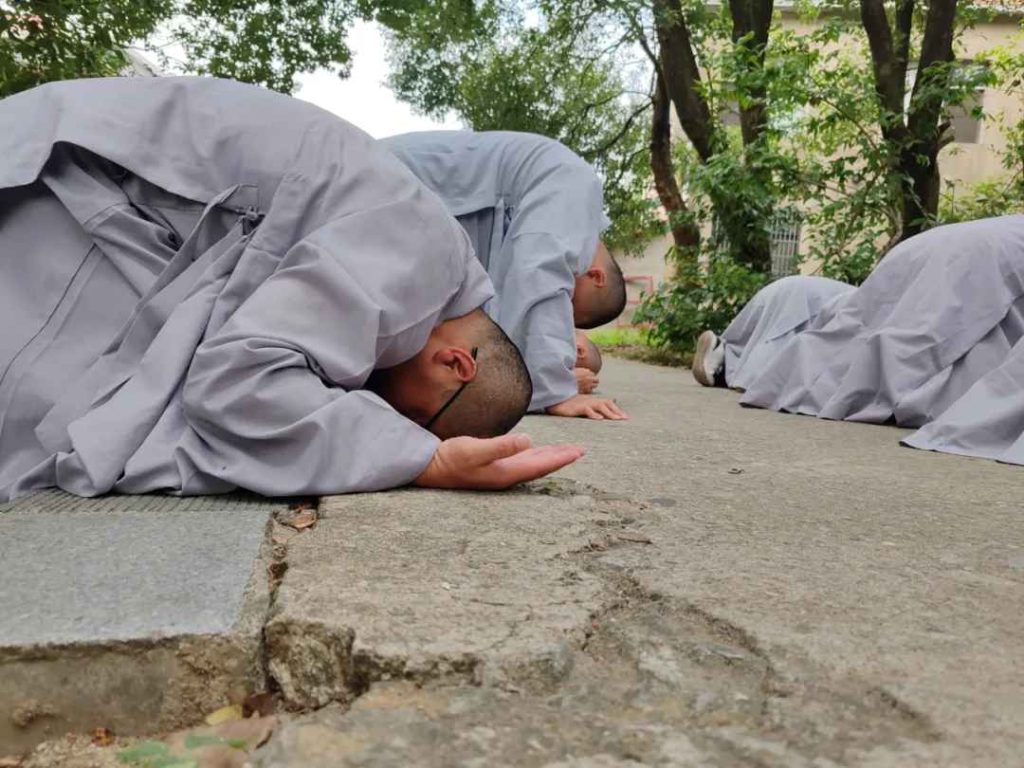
(709, 360)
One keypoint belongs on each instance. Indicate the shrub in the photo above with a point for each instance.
(700, 296)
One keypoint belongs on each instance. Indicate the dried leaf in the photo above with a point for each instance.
(225, 714)
(102, 737)
(302, 519)
(261, 704)
(277, 570)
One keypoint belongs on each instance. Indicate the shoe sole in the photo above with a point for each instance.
(705, 343)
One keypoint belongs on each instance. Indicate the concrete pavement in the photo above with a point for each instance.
(709, 586)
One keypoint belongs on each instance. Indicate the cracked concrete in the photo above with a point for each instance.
(464, 584)
(710, 586)
(732, 587)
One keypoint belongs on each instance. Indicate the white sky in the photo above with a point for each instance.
(364, 97)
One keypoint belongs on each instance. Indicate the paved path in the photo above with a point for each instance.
(709, 586)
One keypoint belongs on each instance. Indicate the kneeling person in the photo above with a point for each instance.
(534, 212)
(933, 339)
(198, 279)
(588, 363)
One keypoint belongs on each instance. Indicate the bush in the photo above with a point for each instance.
(699, 297)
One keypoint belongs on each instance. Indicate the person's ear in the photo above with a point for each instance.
(598, 275)
(458, 361)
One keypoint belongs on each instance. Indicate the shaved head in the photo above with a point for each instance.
(468, 380)
(588, 355)
(498, 396)
(600, 293)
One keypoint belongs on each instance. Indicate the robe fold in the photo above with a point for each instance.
(197, 278)
(770, 319)
(534, 211)
(933, 339)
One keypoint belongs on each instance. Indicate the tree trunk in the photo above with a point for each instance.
(913, 133)
(920, 158)
(685, 233)
(751, 21)
(747, 241)
(682, 78)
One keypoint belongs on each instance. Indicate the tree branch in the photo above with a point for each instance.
(615, 139)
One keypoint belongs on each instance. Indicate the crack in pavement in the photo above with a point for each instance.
(649, 669)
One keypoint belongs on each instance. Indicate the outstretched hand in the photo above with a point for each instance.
(494, 464)
(586, 380)
(589, 407)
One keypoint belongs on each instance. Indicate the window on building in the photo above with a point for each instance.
(784, 230)
(964, 118)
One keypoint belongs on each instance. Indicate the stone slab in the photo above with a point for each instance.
(134, 612)
(422, 585)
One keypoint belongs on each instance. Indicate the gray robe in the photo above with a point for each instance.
(770, 319)
(534, 211)
(934, 338)
(196, 278)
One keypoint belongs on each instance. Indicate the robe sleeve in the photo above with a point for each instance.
(273, 398)
(535, 305)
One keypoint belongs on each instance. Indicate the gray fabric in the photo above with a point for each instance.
(932, 339)
(196, 278)
(770, 319)
(479, 225)
(545, 207)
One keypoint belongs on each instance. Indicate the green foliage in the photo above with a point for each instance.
(634, 344)
(999, 196)
(985, 199)
(498, 71)
(702, 295)
(154, 754)
(44, 40)
(615, 337)
(267, 43)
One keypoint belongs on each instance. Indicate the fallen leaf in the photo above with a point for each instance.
(277, 570)
(223, 746)
(302, 519)
(261, 704)
(735, 471)
(226, 745)
(146, 753)
(225, 714)
(102, 737)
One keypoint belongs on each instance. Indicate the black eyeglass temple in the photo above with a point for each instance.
(453, 398)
